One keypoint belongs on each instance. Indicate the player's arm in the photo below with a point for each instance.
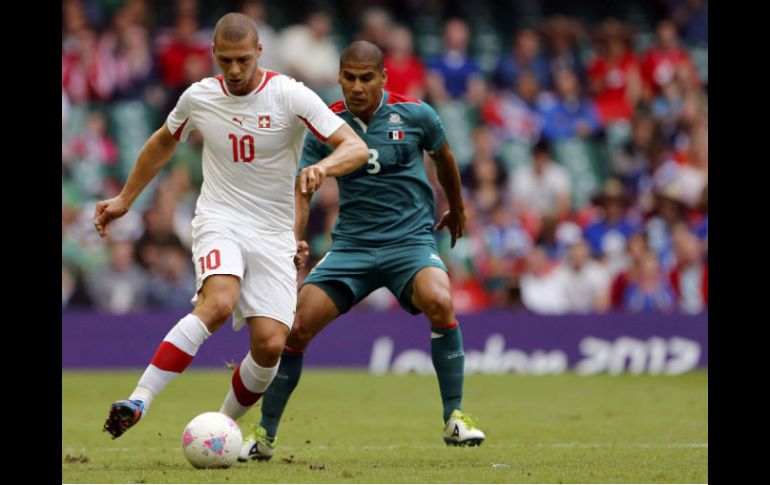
(302, 215)
(349, 152)
(449, 178)
(154, 156)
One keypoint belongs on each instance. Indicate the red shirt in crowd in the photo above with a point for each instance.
(611, 101)
(659, 67)
(172, 60)
(404, 76)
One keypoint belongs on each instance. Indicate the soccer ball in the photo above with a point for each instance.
(212, 440)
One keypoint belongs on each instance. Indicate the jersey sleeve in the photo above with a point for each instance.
(308, 107)
(178, 121)
(433, 129)
(313, 151)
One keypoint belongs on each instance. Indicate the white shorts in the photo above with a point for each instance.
(263, 261)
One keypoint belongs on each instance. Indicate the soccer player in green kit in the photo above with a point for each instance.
(383, 237)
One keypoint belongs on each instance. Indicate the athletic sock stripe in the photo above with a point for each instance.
(171, 358)
(449, 326)
(243, 395)
(292, 351)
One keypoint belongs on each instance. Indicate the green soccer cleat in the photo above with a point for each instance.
(460, 430)
(257, 445)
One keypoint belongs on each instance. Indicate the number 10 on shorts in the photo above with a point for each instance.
(210, 261)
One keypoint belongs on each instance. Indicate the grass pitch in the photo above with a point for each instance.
(353, 427)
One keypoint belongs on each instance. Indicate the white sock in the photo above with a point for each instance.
(250, 381)
(174, 354)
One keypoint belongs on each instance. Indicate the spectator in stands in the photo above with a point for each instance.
(692, 19)
(664, 59)
(175, 50)
(508, 244)
(73, 292)
(271, 54)
(613, 73)
(586, 283)
(667, 106)
(173, 284)
(541, 188)
(693, 119)
(542, 288)
(554, 236)
(136, 73)
(569, 114)
(121, 287)
(485, 176)
(406, 72)
(93, 154)
(514, 116)
(450, 76)
(561, 34)
(689, 278)
(376, 25)
(650, 292)
(310, 55)
(88, 67)
(636, 248)
(632, 161)
(525, 56)
(669, 212)
(614, 224)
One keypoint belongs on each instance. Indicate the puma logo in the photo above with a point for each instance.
(239, 121)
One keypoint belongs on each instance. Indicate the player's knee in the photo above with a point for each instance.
(438, 307)
(267, 351)
(300, 336)
(219, 306)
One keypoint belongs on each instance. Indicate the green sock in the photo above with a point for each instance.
(277, 395)
(446, 350)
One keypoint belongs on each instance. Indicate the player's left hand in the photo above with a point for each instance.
(455, 221)
(311, 178)
(303, 249)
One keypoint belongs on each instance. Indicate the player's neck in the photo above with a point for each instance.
(257, 78)
(366, 115)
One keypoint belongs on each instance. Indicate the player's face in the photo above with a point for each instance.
(362, 85)
(238, 63)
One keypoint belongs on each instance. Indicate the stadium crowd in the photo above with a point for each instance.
(583, 148)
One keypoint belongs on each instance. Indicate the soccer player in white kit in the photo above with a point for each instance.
(253, 123)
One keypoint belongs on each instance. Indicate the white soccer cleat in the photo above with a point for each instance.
(257, 446)
(460, 430)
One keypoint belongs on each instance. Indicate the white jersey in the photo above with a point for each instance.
(251, 146)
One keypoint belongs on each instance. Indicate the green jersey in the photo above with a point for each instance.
(390, 198)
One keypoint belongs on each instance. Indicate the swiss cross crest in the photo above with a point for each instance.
(263, 121)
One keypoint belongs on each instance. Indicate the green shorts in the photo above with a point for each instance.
(348, 274)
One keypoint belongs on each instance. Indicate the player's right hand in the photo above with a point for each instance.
(107, 210)
(311, 178)
(303, 249)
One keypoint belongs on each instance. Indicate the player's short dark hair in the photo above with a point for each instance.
(362, 51)
(542, 146)
(233, 27)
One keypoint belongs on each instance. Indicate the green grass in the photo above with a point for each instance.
(353, 427)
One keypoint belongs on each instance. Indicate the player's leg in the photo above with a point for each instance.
(315, 310)
(215, 301)
(251, 378)
(431, 293)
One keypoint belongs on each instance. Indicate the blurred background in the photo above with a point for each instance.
(580, 130)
